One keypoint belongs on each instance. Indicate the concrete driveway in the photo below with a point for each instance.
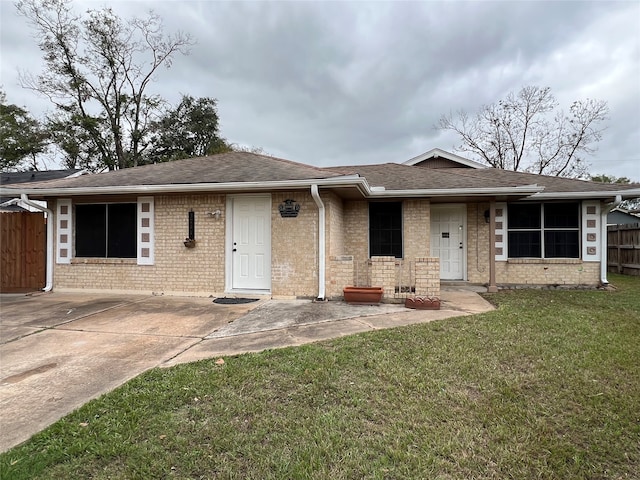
(58, 351)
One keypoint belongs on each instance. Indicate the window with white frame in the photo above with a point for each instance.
(544, 230)
(106, 230)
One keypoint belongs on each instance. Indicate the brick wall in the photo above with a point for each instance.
(547, 272)
(520, 271)
(477, 243)
(427, 272)
(177, 269)
(356, 231)
(416, 221)
(294, 247)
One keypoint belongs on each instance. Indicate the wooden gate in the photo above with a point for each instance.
(23, 242)
(623, 244)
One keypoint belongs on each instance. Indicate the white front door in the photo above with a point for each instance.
(448, 239)
(251, 243)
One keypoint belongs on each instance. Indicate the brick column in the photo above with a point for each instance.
(383, 274)
(340, 275)
(428, 277)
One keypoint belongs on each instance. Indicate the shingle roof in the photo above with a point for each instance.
(242, 167)
(223, 168)
(395, 176)
(8, 178)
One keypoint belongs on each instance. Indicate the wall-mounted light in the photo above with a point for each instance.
(217, 214)
(487, 216)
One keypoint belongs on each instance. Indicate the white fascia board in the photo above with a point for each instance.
(437, 152)
(343, 181)
(631, 193)
(440, 192)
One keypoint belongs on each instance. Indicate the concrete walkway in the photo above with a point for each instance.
(58, 351)
(286, 323)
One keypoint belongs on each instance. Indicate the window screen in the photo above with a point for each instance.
(106, 230)
(549, 230)
(385, 229)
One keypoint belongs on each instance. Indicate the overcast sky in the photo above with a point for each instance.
(338, 83)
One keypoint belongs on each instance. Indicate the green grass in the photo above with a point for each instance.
(546, 386)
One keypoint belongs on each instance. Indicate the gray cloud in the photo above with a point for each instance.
(341, 83)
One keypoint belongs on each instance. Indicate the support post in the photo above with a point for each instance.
(492, 288)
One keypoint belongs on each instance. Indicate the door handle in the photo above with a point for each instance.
(235, 249)
(460, 244)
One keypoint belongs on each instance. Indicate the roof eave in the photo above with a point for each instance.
(343, 181)
(462, 192)
(630, 193)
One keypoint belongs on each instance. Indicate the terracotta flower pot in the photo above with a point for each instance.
(422, 303)
(363, 295)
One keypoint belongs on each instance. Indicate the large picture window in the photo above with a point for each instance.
(106, 230)
(544, 230)
(385, 229)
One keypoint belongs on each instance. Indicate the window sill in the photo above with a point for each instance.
(104, 261)
(563, 261)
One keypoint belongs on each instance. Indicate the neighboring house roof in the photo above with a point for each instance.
(7, 178)
(243, 171)
(620, 216)
(11, 178)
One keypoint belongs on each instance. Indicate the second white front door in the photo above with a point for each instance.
(251, 243)
(448, 239)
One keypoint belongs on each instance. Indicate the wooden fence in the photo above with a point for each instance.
(23, 241)
(623, 243)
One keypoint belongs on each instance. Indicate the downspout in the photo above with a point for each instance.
(321, 242)
(604, 257)
(50, 219)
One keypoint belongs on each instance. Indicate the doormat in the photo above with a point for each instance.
(234, 301)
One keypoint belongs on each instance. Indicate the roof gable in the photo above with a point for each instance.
(438, 158)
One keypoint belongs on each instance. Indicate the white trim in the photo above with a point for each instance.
(321, 241)
(445, 192)
(145, 230)
(68, 230)
(347, 181)
(501, 231)
(437, 152)
(631, 193)
(342, 181)
(587, 232)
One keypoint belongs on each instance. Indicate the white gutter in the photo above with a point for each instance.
(344, 181)
(630, 193)
(321, 242)
(447, 192)
(49, 278)
(604, 257)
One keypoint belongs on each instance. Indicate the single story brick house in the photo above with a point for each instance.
(239, 223)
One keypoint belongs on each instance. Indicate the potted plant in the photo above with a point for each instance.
(363, 295)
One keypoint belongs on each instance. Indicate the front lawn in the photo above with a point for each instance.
(546, 386)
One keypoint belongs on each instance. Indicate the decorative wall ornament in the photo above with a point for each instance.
(289, 208)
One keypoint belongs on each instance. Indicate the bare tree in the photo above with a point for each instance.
(527, 132)
(97, 70)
